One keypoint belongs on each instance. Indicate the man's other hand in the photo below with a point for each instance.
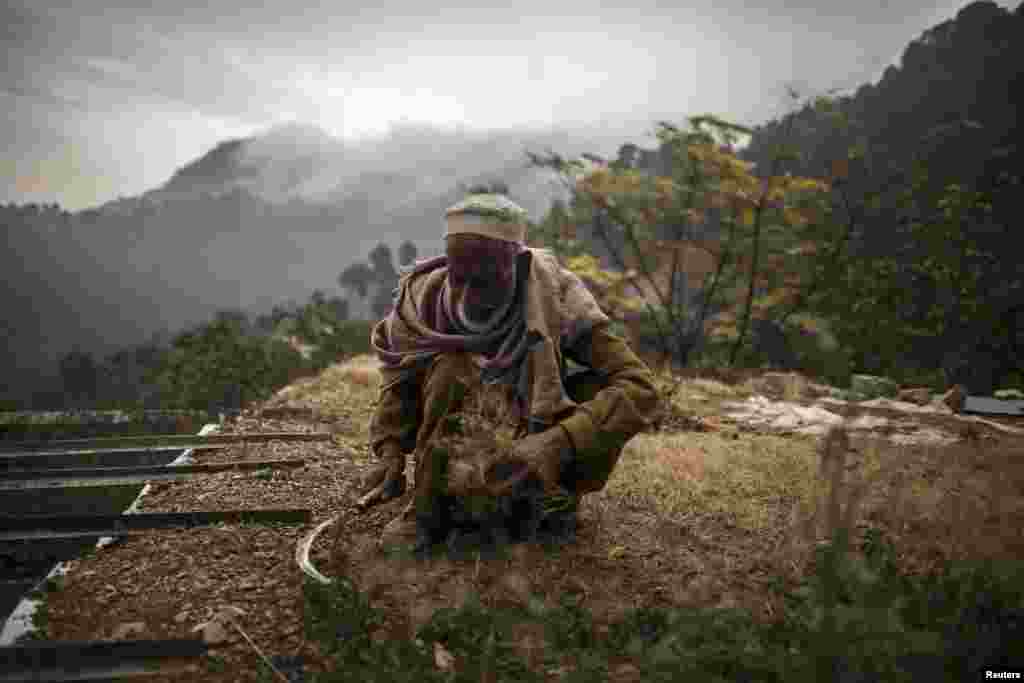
(385, 481)
(543, 452)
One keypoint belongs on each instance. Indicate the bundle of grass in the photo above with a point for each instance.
(490, 497)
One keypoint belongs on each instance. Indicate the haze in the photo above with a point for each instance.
(104, 100)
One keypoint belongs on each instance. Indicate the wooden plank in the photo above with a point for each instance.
(47, 527)
(92, 660)
(168, 440)
(121, 457)
(20, 480)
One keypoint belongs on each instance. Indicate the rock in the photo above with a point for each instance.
(443, 659)
(774, 383)
(873, 386)
(954, 398)
(126, 630)
(918, 395)
(815, 390)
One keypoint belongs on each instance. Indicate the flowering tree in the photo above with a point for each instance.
(694, 243)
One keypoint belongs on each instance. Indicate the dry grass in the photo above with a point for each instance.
(343, 394)
(689, 477)
(359, 373)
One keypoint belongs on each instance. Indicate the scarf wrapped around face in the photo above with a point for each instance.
(521, 343)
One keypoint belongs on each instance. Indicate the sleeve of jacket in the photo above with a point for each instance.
(620, 404)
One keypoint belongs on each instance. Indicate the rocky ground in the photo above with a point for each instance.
(701, 511)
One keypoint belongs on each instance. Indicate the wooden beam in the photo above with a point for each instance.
(49, 527)
(18, 480)
(166, 440)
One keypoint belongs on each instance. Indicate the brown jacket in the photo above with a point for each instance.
(616, 401)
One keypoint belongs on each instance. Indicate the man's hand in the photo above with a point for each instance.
(542, 452)
(386, 480)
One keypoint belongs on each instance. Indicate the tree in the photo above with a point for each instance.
(385, 277)
(338, 308)
(406, 253)
(382, 263)
(357, 277)
(216, 365)
(654, 228)
(79, 375)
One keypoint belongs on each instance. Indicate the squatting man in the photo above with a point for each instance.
(492, 310)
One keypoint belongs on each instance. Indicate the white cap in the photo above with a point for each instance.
(488, 215)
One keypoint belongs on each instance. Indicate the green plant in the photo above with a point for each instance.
(569, 626)
(479, 640)
(216, 664)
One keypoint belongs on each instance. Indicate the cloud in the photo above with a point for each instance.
(43, 94)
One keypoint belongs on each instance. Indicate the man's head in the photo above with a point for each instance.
(483, 233)
(481, 273)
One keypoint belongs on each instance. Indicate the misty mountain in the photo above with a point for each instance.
(251, 223)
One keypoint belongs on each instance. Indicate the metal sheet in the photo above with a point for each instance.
(179, 440)
(120, 457)
(38, 527)
(983, 405)
(20, 480)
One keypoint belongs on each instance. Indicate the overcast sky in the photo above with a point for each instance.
(103, 99)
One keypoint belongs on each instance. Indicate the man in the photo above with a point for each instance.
(492, 310)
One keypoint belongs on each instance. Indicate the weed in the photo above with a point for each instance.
(569, 626)
(216, 664)
(479, 640)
